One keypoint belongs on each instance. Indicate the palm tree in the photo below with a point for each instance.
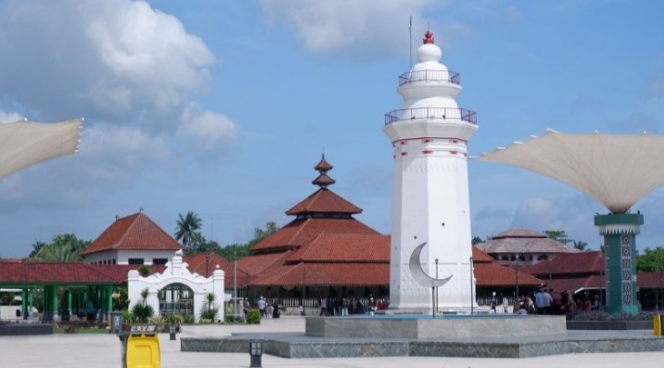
(580, 244)
(186, 230)
(66, 252)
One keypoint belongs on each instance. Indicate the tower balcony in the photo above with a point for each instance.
(431, 113)
(429, 75)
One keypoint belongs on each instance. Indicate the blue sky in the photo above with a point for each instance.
(223, 108)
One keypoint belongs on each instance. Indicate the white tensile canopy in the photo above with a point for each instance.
(615, 170)
(25, 143)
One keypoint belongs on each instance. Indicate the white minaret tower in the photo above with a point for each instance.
(430, 200)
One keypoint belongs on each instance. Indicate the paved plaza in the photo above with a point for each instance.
(103, 351)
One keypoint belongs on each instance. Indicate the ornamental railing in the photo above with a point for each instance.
(429, 76)
(431, 113)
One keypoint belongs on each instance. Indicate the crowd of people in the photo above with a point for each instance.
(547, 301)
(344, 306)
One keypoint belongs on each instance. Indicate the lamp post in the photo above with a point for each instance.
(549, 262)
(256, 352)
(235, 285)
(471, 285)
(517, 277)
(304, 290)
(436, 306)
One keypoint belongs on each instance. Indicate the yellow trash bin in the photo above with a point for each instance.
(657, 324)
(143, 350)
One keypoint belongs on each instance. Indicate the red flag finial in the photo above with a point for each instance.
(428, 37)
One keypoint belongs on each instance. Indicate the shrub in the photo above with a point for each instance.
(254, 317)
(141, 312)
(188, 318)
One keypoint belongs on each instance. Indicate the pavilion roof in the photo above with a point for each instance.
(301, 231)
(325, 274)
(334, 248)
(324, 201)
(133, 232)
(524, 241)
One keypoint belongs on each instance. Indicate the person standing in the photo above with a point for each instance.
(344, 307)
(261, 306)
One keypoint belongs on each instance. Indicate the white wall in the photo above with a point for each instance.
(177, 272)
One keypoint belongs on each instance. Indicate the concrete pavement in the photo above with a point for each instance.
(103, 351)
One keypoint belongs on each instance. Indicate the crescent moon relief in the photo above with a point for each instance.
(418, 273)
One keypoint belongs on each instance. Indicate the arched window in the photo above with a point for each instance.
(176, 299)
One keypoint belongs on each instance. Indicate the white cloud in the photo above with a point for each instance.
(368, 26)
(210, 132)
(9, 117)
(113, 151)
(112, 59)
(573, 214)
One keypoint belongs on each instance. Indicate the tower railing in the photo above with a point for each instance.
(429, 76)
(431, 113)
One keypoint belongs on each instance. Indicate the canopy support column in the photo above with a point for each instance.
(619, 231)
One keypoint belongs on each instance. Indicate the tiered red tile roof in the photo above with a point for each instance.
(301, 231)
(347, 248)
(134, 232)
(323, 245)
(324, 201)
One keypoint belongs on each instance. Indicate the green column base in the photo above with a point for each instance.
(619, 231)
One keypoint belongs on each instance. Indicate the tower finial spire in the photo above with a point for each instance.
(428, 38)
(323, 167)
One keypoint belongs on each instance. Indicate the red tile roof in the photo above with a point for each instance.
(480, 257)
(524, 241)
(650, 280)
(344, 248)
(324, 274)
(492, 274)
(591, 282)
(569, 263)
(197, 263)
(134, 232)
(29, 273)
(324, 201)
(519, 233)
(301, 231)
(256, 264)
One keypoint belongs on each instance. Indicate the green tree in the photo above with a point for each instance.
(476, 240)
(260, 234)
(36, 247)
(652, 260)
(580, 245)
(202, 245)
(62, 248)
(186, 229)
(232, 252)
(558, 235)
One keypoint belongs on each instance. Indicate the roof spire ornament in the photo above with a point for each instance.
(323, 167)
(428, 38)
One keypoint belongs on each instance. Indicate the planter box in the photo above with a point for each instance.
(23, 329)
(609, 325)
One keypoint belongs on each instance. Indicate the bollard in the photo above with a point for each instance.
(256, 352)
(171, 332)
(657, 325)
